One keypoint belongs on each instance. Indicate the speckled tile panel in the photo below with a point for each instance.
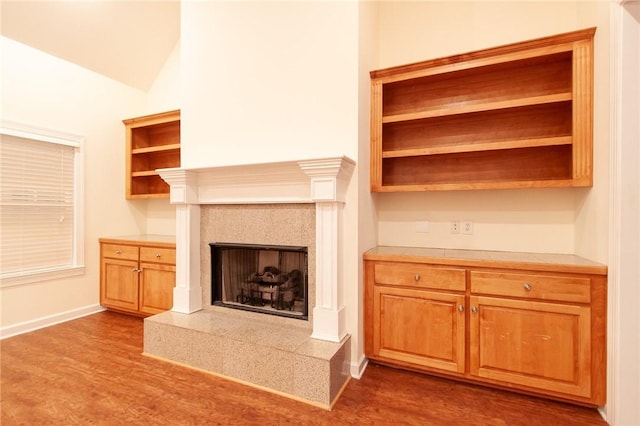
(312, 379)
(276, 337)
(190, 347)
(260, 365)
(319, 348)
(217, 325)
(340, 368)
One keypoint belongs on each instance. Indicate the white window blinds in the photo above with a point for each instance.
(37, 206)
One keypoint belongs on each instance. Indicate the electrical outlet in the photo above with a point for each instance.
(455, 227)
(466, 227)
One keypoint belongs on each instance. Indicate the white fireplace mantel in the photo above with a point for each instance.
(304, 181)
(321, 181)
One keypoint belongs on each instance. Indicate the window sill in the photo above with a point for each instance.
(33, 277)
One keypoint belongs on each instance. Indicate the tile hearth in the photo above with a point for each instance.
(244, 347)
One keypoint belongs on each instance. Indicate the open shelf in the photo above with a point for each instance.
(148, 186)
(509, 117)
(153, 142)
(471, 108)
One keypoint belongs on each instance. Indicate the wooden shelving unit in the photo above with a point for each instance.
(514, 116)
(153, 142)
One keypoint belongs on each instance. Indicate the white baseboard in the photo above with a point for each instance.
(357, 369)
(42, 322)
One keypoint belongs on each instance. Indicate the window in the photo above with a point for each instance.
(41, 214)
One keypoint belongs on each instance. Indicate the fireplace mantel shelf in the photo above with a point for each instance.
(304, 181)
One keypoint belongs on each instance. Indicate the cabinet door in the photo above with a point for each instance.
(419, 328)
(156, 287)
(119, 284)
(542, 345)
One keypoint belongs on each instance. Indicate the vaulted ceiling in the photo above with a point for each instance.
(128, 40)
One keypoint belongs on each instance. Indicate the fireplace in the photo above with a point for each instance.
(267, 279)
(295, 207)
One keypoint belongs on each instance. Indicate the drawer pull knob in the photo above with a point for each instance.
(417, 277)
(460, 308)
(118, 251)
(474, 309)
(527, 286)
(158, 255)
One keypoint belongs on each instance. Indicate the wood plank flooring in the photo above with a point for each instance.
(90, 371)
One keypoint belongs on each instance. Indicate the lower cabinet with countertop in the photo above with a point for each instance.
(137, 273)
(529, 322)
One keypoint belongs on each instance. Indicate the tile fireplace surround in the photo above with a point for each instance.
(297, 203)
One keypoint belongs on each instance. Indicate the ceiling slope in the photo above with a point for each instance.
(128, 41)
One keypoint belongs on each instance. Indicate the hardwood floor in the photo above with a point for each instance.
(91, 371)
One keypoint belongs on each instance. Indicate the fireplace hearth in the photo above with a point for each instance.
(267, 279)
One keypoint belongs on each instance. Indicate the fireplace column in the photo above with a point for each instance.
(187, 294)
(328, 180)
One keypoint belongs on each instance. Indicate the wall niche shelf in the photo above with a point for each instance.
(153, 142)
(515, 116)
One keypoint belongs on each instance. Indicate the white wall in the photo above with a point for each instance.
(44, 91)
(540, 220)
(268, 81)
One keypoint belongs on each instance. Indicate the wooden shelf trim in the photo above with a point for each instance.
(484, 146)
(466, 186)
(144, 173)
(151, 119)
(506, 53)
(479, 107)
(146, 150)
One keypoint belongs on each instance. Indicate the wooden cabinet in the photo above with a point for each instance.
(533, 325)
(432, 331)
(137, 274)
(516, 116)
(152, 142)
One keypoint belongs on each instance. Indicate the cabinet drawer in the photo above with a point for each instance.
(532, 286)
(120, 251)
(418, 275)
(157, 254)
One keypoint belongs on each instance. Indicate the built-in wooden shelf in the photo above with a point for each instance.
(513, 116)
(153, 142)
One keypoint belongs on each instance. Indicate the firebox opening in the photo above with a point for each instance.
(260, 278)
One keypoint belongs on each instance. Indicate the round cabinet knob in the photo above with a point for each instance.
(527, 286)
(118, 251)
(158, 255)
(460, 308)
(474, 309)
(417, 277)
